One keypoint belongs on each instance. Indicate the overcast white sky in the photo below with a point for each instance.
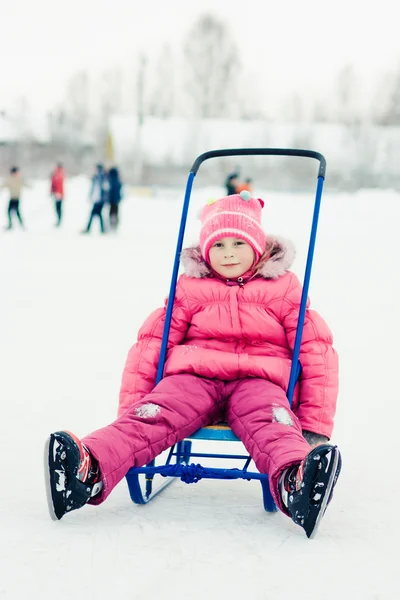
(290, 43)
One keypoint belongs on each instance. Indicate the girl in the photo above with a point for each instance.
(229, 356)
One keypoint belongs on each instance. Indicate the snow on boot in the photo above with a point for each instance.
(306, 489)
(71, 474)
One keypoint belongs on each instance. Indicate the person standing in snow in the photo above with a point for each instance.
(247, 185)
(229, 357)
(57, 191)
(231, 183)
(98, 196)
(114, 197)
(14, 183)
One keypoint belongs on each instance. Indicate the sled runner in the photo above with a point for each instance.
(179, 460)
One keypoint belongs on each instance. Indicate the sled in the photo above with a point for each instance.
(178, 462)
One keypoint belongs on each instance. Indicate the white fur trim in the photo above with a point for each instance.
(282, 259)
(193, 263)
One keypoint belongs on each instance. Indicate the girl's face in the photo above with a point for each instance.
(231, 257)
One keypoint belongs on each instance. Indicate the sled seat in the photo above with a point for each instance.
(219, 431)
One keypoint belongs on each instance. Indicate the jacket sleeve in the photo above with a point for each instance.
(139, 375)
(319, 377)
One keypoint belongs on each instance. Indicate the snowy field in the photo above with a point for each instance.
(70, 307)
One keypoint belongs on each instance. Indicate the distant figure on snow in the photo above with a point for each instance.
(57, 191)
(247, 185)
(14, 183)
(231, 183)
(114, 197)
(99, 196)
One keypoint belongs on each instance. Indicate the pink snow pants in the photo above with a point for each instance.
(256, 409)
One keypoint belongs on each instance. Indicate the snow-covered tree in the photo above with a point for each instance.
(211, 63)
(162, 96)
(386, 106)
(345, 94)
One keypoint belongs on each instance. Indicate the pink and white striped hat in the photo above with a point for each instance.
(238, 215)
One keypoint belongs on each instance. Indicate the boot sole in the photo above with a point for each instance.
(331, 482)
(47, 476)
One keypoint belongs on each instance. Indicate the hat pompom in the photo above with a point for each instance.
(245, 195)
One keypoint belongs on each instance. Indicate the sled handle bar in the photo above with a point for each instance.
(296, 366)
(261, 151)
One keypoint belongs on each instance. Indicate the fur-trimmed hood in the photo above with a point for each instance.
(276, 260)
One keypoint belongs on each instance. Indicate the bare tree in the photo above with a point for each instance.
(141, 88)
(163, 93)
(211, 62)
(321, 111)
(70, 122)
(23, 127)
(141, 109)
(293, 108)
(77, 101)
(387, 100)
(109, 100)
(345, 91)
(110, 92)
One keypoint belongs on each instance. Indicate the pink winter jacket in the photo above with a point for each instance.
(228, 332)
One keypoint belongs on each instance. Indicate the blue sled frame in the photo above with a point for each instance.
(178, 462)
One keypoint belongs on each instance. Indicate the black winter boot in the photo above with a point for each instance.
(71, 474)
(306, 489)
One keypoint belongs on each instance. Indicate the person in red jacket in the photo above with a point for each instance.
(246, 186)
(57, 190)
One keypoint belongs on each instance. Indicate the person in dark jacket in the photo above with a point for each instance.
(114, 197)
(231, 184)
(99, 196)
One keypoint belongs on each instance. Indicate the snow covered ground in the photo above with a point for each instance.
(70, 307)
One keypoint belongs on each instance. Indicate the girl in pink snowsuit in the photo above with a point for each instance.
(229, 357)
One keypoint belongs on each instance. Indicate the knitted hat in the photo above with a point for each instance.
(238, 215)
